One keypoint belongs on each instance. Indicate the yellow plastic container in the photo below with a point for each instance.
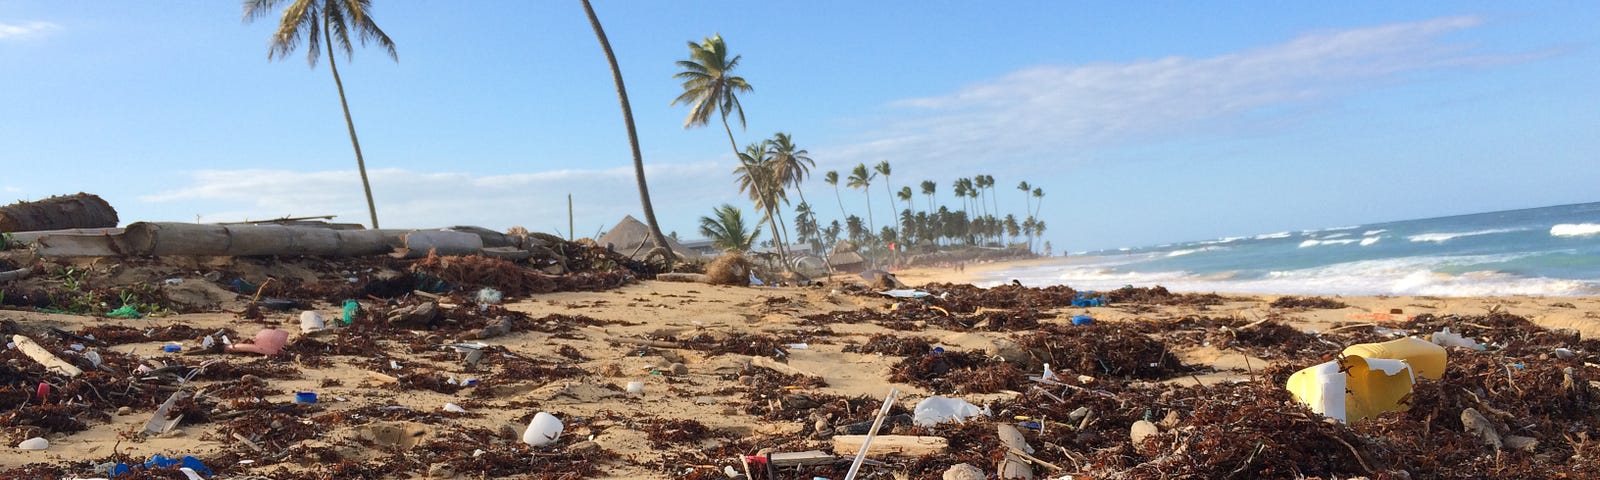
(1426, 359)
(1353, 388)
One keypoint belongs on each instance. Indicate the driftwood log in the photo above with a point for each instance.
(80, 210)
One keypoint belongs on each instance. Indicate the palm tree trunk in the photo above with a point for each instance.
(760, 192)
(892, 213)
(361, 164)
(656, 237)
(842, 216)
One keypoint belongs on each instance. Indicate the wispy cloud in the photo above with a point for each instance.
(1033, 111)
(25, 29)
(413, 199)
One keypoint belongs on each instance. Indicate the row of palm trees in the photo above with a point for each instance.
(769, 169)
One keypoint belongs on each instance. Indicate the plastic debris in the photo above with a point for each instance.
(35, 443)
(311, 321)
(1081, 320)
(1447, 338)
(1425, 358)
(543, 430)
(490, 296)
(905, 293)
(453, 408)
(305, 397)
(125, 311)
(936, 410)
(351, 308)
(1352, 388)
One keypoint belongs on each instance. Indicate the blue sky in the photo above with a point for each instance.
(1145, 123)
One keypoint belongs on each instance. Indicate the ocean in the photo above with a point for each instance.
(1553, 251)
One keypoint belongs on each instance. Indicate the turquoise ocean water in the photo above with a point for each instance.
(1539, 251)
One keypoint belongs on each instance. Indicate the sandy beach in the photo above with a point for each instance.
(725, 371)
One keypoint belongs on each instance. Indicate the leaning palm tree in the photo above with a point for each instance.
(1039, 194)
(324, 23)
(988, 181)
(633, 137)
(883, 169)
(861, 178)
(727, 230)
(709, 86)
(832, 178)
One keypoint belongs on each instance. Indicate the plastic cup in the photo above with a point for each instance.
(635, 388)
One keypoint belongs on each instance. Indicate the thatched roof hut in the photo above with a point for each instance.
(845, 259)
(630, 234)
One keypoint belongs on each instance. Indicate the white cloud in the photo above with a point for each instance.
(1031, 112)
(25, 29)
(416, 199)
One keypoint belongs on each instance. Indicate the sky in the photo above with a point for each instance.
(1143, 122)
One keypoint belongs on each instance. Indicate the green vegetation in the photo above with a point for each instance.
(727, 230)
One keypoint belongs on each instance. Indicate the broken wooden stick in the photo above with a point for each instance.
(39, 354)
(907, 445)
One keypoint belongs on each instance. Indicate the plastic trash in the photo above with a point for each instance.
(543, 430)
(635, 388)
(93, 357)
(1447, 338)
(267, 342)
(1353, 388)
(186, 463)
(1564, 353)
(125, 311)
(490, 296)
(1426, 359)
(905, 293)
(1081, 320)
(311, 321)
(451, 407)
(305, 397)
(351, 307)
(171, 348)
(936, 410)
(34, 443)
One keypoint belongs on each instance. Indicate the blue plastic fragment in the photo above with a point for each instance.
(1081, 320)
(1033, 425)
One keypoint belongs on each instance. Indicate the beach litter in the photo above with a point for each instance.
(543, 430)
(35, 443)
(935, 410)
(1353, 388)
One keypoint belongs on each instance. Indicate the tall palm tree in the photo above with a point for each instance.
(905, 196)
(792, 163)
(709, 86)
(1028, 202)
(1039, 194)
(988, 181)
(727, 230)
(805, 225)
(633, 136)
(883, 169)
(861, 178)
(324, 23)
(928, 188)
(832, 178)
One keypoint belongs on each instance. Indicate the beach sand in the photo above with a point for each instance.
(708, 388)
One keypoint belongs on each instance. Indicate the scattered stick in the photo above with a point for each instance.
(1034, 460)
(888, 402)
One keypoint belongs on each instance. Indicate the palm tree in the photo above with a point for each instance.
(905, 196)
(1027, 202)
(805, 225)
(727, 230)
(861, 178)
(1012, 228)
(710, 86)
(1039, 194)
(758, 178)
(883, 169)
(988, 181)
(792, 163)
(633, 136)
(832, 178)
(324, 22)
(928, 188)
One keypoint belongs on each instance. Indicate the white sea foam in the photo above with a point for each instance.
(1369, 241)
(1313, 243)
(1399, 276)
(1575, 230)
(1369, 233)
(1179, 253)
(1335, 229)
(1270, 236)
(1337, 235)
(1444, 237)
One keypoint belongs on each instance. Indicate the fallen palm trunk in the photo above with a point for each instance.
(81, 210)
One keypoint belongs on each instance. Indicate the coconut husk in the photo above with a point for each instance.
(729, 269)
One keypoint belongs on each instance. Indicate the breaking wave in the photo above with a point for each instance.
(1575, 230)
(1445, 237)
